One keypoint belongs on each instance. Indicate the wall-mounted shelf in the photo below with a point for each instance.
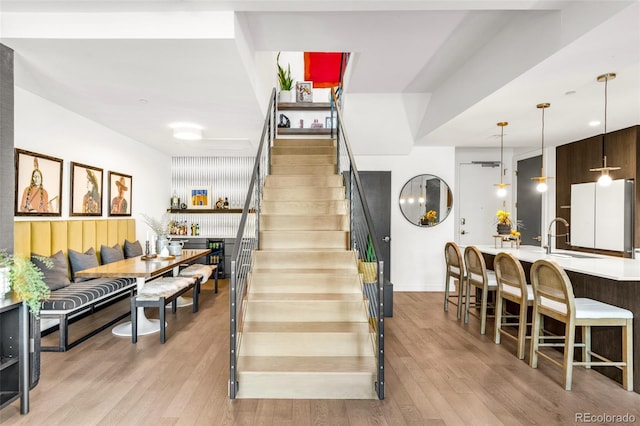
(304, 106)
(304, 131)
(192, 211)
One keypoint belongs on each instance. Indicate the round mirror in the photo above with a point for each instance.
(425, 200)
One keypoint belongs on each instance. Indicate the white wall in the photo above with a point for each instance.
(47, 128)
(417, 253)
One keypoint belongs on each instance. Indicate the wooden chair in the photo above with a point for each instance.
(479, 277)
(454, 270)
(554, 298)
(512, 286)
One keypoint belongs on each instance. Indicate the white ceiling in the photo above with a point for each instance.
(474, 62)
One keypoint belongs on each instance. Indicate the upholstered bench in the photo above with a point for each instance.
(199, 269)
(157, 294)
(81, 298)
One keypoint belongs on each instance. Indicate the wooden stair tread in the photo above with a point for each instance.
(307, 272)
(305, 364)
(306, 327)
(305, 297)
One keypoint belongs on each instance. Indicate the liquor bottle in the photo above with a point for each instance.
(226, 202)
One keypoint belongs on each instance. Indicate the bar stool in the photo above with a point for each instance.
(454, 270)
(512, 286)
(554, 298)
(479, 277)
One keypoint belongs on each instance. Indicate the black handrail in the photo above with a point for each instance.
(241, 255)
(344, 148)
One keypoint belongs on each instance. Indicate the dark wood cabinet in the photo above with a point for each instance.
(574, 160)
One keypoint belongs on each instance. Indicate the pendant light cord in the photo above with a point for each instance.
(542, 144)
(604, 154)
(501, 155)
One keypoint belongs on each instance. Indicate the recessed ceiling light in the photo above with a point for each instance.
(187, 131)
(594, 123)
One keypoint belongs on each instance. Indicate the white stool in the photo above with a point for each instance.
(512, 286)
(454, 270)
(479, 277)
(553, 297)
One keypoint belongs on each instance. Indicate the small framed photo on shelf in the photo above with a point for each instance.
(86, 190)
(38, 183)
(120, 194)
(304, 92)
(199, 197)
(330, 122)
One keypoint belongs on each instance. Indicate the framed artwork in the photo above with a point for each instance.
(199, 197)
(331, 122)
(304, 92)
(38, 189)
(119, 194)
(86, 190)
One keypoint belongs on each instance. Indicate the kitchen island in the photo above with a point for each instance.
(609, 279)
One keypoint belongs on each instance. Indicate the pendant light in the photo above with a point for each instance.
(502, 191)
(542, 179)
(421, 198)
(605, 178)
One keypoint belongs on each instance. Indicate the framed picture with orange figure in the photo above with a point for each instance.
(119, 194)
(38, 190)
(86, 190)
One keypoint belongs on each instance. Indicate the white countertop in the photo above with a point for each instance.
(614, 268)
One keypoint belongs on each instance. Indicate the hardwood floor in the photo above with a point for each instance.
(438, 372)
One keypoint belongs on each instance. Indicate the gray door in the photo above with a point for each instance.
(377, 190)
(529, 201)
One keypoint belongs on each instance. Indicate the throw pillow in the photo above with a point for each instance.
(55, 277)
(111, 254)
(81, 261)
(132, 249)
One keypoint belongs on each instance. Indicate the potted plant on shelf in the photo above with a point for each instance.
(368, 266)
(286, 81)
(25, 279)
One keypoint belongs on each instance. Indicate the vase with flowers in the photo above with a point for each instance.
(429, 218)
(504, 222)
(162, 229)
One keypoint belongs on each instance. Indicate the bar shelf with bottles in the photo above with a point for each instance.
(216, 257)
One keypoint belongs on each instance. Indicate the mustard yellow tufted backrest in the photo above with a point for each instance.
(46, 237)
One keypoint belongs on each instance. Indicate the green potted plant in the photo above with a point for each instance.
(368, 266)
(285, 81)
(25, 279)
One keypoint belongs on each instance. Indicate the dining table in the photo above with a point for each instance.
(142, 268)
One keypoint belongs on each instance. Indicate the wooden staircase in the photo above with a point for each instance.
(306, 332)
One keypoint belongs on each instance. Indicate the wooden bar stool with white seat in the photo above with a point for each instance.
(554, 298)
(512, 286)
(478, 276)
(454, 270)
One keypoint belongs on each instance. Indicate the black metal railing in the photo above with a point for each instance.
(247, 238)
(363, 239)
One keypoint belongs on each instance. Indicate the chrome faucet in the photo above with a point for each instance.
(566, 224)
